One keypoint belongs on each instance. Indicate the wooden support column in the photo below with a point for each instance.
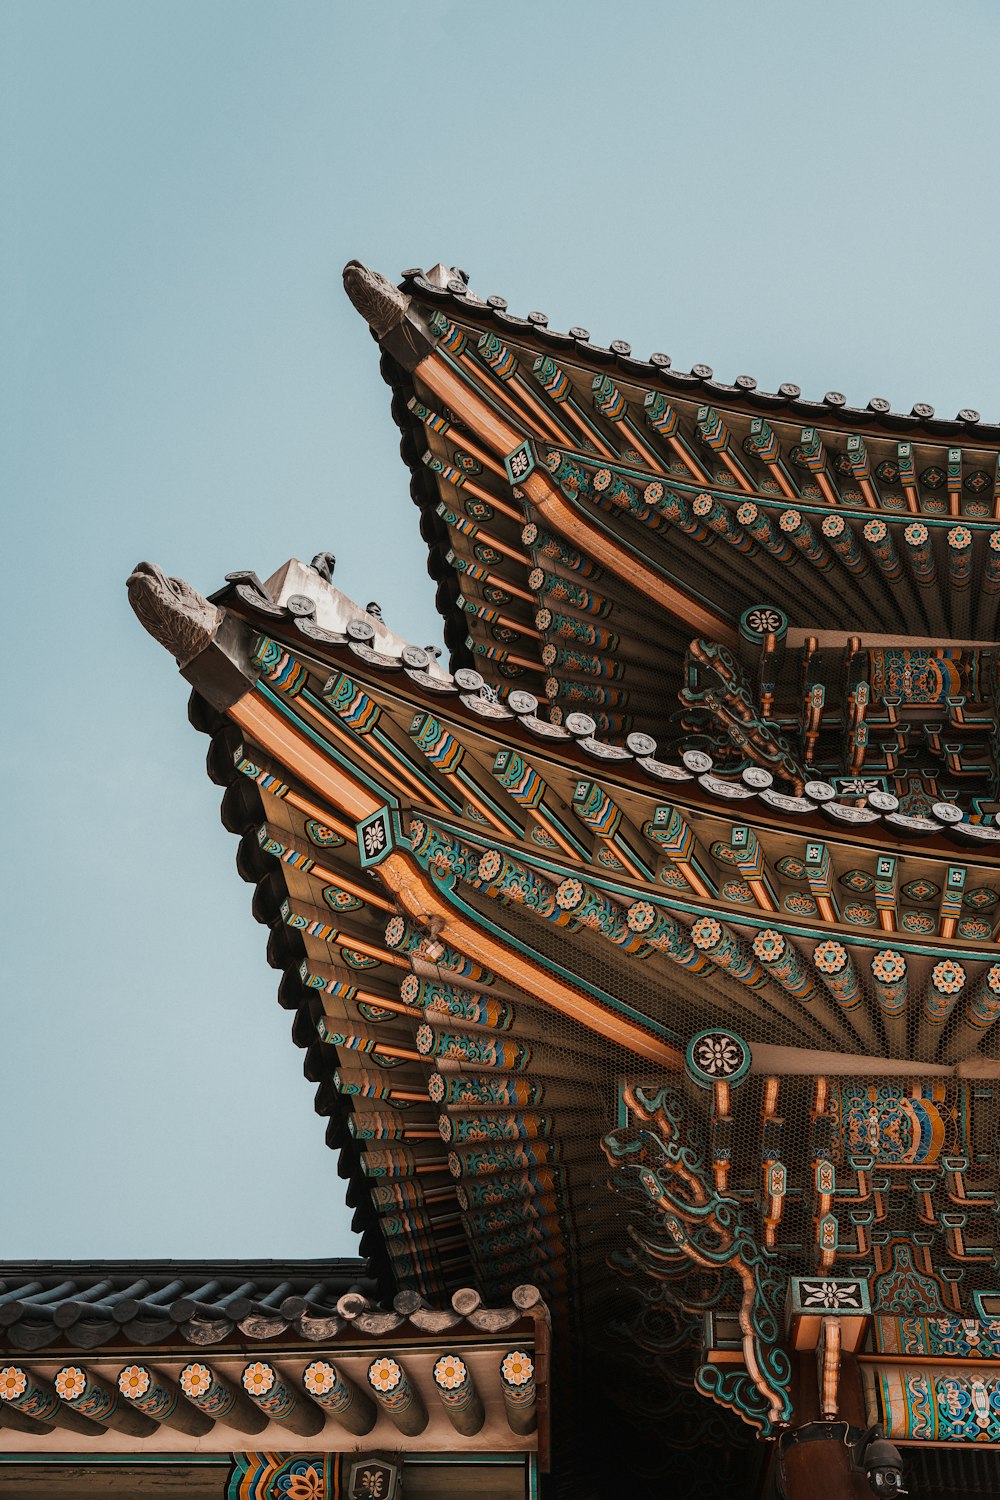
(813, 1455)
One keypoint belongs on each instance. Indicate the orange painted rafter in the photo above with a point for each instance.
(313, 810)
(343, 883)
(511, 588)
(492, 500)
(591, 436)
(417, 896)
(400, 777)
(560, 515)
(519, 402)
(476, 450)
(829, 493)
(359, 945)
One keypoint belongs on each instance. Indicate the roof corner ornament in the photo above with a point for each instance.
(324, 564)
(173, 612)
(382, 305)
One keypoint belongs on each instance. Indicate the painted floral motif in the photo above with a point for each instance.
(860, 915)
(981, 898)
(706, 932)
(975, 928)
(888, 966)
(739, 891)
(70, 1383)
(13, 1383)
(769, 945)
(450, 1372)
(921, 890)
(319, 834)
(258, 1378)
(517, 1368)
(831, 1294)
(375, 838)
(718, 1055)
(830, 957)
(196, 1380)
(133, 1382)
(307, 1485)
(857, 880)
(673, 878)
(801, 904)
(793, 868)
(543, 839)
(569, 894)
(338, 900)
(920, 922)
(764, 620)
(384, 1375)
(858, 786)
(319, 1378)
(605, 857)
(948, 977)
(356, 960)
(725, 852)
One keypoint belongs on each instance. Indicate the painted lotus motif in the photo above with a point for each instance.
(517, 1368)
(133, 1382)
(71, 1383)
(450, 1372)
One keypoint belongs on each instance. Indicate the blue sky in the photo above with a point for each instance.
(792, 191)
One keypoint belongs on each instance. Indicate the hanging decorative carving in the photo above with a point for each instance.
(659, 1158)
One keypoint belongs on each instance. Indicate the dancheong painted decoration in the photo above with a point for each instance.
(644, 957)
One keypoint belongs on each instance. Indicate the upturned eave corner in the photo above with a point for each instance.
(213, 648)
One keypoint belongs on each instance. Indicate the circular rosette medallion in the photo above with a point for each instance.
(717, 1056)
(762, 620)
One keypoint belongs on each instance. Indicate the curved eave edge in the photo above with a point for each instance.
(425, 495)
(534, 329)
(365, 1222)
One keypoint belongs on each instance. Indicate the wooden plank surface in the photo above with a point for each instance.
(69, 1481)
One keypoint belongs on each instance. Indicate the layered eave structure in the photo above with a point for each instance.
(682, 883)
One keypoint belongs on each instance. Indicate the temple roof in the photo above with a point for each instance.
(450, 290)
(587, 513)
(89, 1304)
(509, 947)
(649, 955)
